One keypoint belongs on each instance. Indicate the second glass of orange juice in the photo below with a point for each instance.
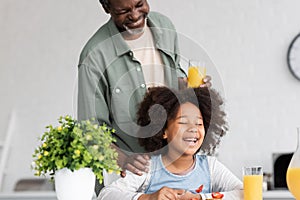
(293, 171)
(253, 181)
(293, 181)
(196, 73)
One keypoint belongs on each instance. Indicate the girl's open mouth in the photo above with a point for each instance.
(191, 140)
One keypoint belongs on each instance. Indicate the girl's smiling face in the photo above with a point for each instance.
(185, 133)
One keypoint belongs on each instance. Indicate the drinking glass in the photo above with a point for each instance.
(253, 182)
(293, 171)
(196, 73)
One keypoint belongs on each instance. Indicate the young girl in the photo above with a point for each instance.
(174, 127)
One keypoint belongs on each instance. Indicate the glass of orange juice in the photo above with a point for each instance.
(293, 180)
(253, 182)
(293, 171)
(196, 73)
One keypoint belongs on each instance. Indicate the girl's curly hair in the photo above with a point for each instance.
(161, 104)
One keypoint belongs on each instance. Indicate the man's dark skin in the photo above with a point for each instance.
(129, 15)
(130, 19)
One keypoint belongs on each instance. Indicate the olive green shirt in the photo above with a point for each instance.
(110, 80)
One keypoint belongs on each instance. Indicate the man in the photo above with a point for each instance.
(134, 50)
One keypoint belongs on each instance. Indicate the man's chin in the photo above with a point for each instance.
(135, 31)
(132, 34)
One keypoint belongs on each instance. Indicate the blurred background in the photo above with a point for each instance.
(246, 40)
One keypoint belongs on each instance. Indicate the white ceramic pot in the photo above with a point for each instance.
(77, 185)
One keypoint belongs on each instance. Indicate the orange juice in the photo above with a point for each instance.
(293, 181)
(253, 187)
(196, 75)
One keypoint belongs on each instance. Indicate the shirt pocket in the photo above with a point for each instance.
(121, 105)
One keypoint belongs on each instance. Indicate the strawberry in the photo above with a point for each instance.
(199, 189)
(217, 195)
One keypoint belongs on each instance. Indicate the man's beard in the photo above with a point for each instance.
(136, 31)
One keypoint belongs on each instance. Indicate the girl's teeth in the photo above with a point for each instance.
(191, 140)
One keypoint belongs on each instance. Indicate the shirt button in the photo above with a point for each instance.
(138, 69)
(118, 90)
(130, 53)
(143, 85)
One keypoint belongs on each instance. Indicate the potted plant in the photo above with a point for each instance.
(73, 148)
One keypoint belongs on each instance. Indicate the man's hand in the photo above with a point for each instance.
(207, 82)
(182, 82)
(136, 163)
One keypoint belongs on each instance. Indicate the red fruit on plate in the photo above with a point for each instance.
(199, 189)
(217, 195)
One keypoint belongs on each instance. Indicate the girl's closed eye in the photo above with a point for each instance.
(199, 123)
(182, 122)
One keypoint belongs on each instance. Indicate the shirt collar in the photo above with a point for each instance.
(119, 43)
(121, 46)
(161, 35)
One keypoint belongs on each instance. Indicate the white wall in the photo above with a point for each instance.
(247, 40)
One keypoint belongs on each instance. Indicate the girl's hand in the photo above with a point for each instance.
(164, 193)
(190, 196)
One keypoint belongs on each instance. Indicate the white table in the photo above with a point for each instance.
(29, 196)
(278, 195)
(268, 195)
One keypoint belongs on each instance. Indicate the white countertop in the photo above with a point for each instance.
(277, 194)
(30, 196)
(267, 195)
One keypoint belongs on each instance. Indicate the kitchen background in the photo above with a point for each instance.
(247, 40)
